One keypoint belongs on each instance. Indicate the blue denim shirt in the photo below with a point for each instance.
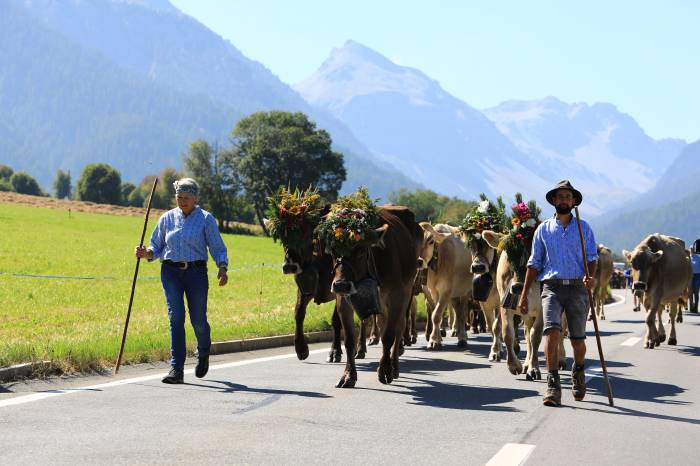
(556, 251)
(185, 239)
(695, 261)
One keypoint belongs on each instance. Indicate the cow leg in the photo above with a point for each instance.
(375, 330)
(601, 302)
(407, 327)
(361, 346)
(651, 336)
(660, 330)
(414, 312)
(301, 346)
(460, 306)
(674, 310)
(533, 335)
(429, 306)
(349, 377)
(336, 353)
(435, 342)
(391, 336)
(514, 365)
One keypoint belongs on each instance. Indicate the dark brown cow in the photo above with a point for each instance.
(392, 262)
(313, 274)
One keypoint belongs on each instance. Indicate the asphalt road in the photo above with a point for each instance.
(448, 407)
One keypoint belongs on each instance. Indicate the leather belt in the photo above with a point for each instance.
(564, 282)
(185, 265)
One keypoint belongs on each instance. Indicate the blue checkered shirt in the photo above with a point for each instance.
(185, 239)
(556, 251)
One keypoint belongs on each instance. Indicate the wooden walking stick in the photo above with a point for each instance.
(136, 273)
(592, 309)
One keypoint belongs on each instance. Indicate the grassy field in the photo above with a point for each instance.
(77, 323)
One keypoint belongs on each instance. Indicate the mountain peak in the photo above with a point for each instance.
(157, 5)
(353, 54)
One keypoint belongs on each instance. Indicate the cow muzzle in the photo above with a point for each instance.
(289, 268)
(343, 287)
(478, 268)
(421, 264)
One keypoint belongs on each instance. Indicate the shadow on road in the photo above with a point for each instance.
(605, 333)
(230, 387)
(639, 390)
(689, 350)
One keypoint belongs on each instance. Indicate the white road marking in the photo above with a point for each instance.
(52, 393)
(631, 341)
(511, 454)
(616, 303)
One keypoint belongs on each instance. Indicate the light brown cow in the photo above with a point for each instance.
(602, 278)
(448, 282)
(484, 261)
(533, 320)
(661, 271)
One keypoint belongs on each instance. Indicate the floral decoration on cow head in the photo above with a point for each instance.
(487, 216)
(517, 243)
(351, 222)
(293, 216)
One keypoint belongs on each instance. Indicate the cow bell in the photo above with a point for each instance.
(365, 299)
(481, 286)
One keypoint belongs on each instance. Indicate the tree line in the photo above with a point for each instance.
(267, 150)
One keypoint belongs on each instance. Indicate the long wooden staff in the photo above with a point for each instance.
(136, 273)
(592, 309)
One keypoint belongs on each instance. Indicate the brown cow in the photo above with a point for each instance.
(661, 271)
(602, 279)
(313, 273)
(449, 282)
(484, 262)
(392, 262)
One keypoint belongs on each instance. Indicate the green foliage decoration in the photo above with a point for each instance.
(517, 243)
(351, 223)
(487, 216)
(293, 216)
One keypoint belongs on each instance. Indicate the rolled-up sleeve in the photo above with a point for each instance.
(158, 239)
(216, 245)
(591, 246)
(536, 260)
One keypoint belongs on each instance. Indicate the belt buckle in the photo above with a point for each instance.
(566, 282)
(187, 264)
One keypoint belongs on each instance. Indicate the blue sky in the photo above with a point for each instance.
(642, 56)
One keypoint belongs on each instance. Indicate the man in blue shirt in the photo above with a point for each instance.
(695, 261)
(556, 262)
(180, 240)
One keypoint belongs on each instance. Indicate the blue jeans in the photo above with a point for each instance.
(193, 283)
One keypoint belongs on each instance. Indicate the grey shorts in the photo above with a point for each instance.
(565, 298)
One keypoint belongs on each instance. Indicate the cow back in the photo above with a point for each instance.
(396, 259)
(670, 274)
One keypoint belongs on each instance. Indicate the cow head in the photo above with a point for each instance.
(431, 241)
(356, 266)
(642, 259)
(482, 253)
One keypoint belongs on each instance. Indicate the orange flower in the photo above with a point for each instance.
(515, 221)
(357, 237)
(338, 232)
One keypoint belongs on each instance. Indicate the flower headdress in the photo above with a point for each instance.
(518, 242)
(487, 216)
(293, 216)
(351, 222)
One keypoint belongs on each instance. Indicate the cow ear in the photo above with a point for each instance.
(627, 254)
(656, 255)
(440, 237)
(428, 228)
(492, 238)
(381, 231)
(266, 222)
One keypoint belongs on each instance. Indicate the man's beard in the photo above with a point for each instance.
(563, 209)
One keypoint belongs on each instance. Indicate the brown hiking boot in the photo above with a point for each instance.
(578, 382)
(552, 396)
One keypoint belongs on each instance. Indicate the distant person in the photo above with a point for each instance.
(695, 261)
(180, 240)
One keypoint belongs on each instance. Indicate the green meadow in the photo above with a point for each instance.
(77, 323)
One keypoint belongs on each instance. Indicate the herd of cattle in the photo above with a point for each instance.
(411, 258)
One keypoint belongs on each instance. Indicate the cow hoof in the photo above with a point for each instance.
(434, 345)
(335, 356)
(302, 350)
(384, 376)
(373, 341)
(414, 339)
(661, 339)
(672, 341)
(474, 330)
(657, 342)
(602, 317)
(443, 333)
(462, 344)
(649, 344)
(395, 373)
(346, 381)
(360, 354)
(515, 369)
